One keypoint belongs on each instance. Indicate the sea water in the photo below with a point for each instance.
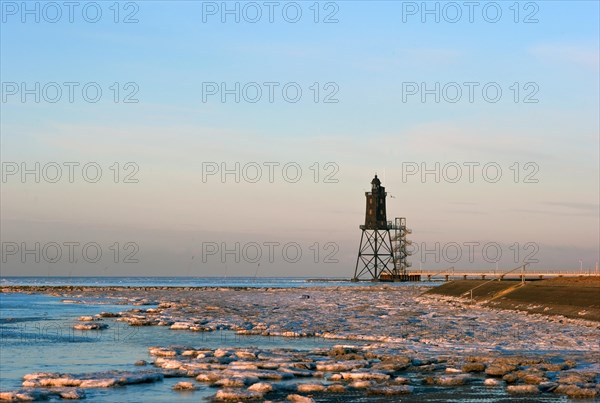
(259, 282)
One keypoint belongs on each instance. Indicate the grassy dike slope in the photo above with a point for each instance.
(573, 297)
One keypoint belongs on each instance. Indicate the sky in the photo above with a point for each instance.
(163, 138)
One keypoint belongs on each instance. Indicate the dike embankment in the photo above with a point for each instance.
(573, 297)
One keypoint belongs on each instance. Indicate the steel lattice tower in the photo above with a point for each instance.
(380, 257)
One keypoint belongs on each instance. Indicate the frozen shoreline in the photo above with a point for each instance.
(435, 334)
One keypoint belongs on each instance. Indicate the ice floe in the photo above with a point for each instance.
(93, 380)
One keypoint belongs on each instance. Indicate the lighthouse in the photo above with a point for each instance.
(381, 255)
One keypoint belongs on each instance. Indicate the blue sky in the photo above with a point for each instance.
(368, 56)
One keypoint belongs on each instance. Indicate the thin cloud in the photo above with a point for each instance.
(553, 212)
(412, 57)
(575, 206)
(586, 57)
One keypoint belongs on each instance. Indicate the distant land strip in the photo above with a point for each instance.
(57, 289)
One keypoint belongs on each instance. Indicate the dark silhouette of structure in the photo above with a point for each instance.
(380, 256)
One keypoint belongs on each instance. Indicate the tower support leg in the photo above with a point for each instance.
(375, 256)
